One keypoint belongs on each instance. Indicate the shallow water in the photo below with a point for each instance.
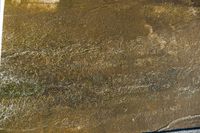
(95, 66)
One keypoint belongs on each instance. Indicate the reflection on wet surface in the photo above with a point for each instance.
(95, 66)
(40, 5)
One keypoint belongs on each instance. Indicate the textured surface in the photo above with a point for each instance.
(95, 66)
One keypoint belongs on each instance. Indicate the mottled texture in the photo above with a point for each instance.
(95, 66)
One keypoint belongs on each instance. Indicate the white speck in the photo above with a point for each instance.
(79, 127)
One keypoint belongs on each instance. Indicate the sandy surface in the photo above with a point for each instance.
(100, 66)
